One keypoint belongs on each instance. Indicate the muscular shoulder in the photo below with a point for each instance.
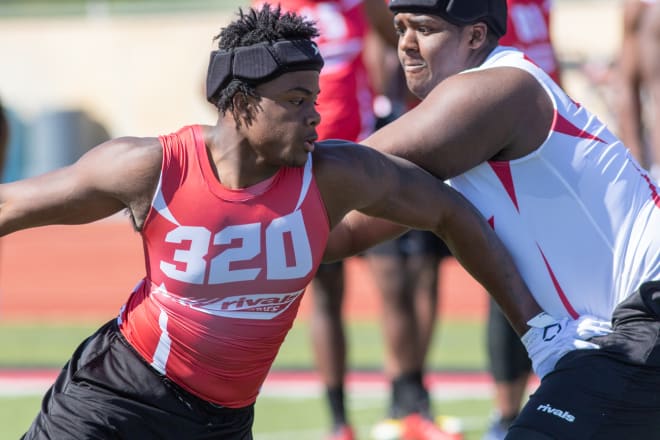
(498, 113)
(126, 158)
(503, 111)
(350, 175)
(344, 161)
(493, 87)
(128, 168)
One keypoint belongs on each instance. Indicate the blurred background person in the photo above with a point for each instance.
(638, 82)
(528, 29)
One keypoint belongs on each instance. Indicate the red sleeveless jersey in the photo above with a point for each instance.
(528, 29)
(346, 98)
(226, 270)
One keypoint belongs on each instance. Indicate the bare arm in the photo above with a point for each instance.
(396, 190)
(115, 175)
(495, 114)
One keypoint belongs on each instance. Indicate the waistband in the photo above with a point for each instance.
(190, 400)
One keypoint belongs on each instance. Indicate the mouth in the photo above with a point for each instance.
(413, 65)
(309, 143)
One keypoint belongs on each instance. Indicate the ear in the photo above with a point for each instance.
(244, 108)
(478, 33)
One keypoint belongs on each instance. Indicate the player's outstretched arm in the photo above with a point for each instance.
(115, 175)
(495, 114)
(391, 188)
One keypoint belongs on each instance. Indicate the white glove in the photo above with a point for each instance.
(549, 338)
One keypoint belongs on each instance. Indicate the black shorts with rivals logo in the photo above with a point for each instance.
(607, 394)
(107, 391)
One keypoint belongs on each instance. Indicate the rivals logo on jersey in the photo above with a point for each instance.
(252, 306)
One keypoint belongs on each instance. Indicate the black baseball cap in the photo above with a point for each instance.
(459, 12)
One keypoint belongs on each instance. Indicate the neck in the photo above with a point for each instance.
(232, 160)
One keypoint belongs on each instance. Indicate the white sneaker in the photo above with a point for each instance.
(388, 429)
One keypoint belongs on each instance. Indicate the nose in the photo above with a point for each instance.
(407, 40)
(314, 118)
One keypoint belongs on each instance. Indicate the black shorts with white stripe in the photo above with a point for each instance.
(107, 390)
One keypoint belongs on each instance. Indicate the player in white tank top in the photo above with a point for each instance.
(578, 213)
(610, 211)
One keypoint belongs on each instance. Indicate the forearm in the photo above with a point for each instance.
(476, 246)
(358, 232)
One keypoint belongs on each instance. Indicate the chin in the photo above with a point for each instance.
(296, 162)
(420, 90)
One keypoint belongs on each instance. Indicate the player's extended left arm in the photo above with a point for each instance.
(427, 203)
(411, 196)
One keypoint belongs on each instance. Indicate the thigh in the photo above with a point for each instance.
(107, 391)
(591, 396)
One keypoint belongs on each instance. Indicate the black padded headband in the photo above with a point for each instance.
(261, 62)
(459, 12)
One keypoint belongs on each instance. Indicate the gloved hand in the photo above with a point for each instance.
(549, 338)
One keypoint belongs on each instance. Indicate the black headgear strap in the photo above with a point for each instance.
(459, 12)
(261, 62)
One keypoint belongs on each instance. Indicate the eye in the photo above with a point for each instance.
(296, 101)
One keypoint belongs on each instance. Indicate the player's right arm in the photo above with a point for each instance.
(118, 174)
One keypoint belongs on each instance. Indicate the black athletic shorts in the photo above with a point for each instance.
(107, 391)
(607, 394)
(412, 243)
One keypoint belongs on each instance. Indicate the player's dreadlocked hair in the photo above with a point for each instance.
(268, 24)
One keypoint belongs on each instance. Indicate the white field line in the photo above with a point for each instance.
(364, 392)
(290, 385)
(468, 424)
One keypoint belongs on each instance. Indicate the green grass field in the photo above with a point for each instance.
(458, 346)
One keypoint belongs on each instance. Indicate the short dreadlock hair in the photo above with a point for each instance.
(267, 24)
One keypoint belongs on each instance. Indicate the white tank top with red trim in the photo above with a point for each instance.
(579, 215)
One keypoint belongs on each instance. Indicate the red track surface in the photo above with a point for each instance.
(86, 272)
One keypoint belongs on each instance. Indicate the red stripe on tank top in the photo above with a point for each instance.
(652, 186)
(564, 126)
(503, 172)
(562, 296)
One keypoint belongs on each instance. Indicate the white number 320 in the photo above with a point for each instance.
(278, 266)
